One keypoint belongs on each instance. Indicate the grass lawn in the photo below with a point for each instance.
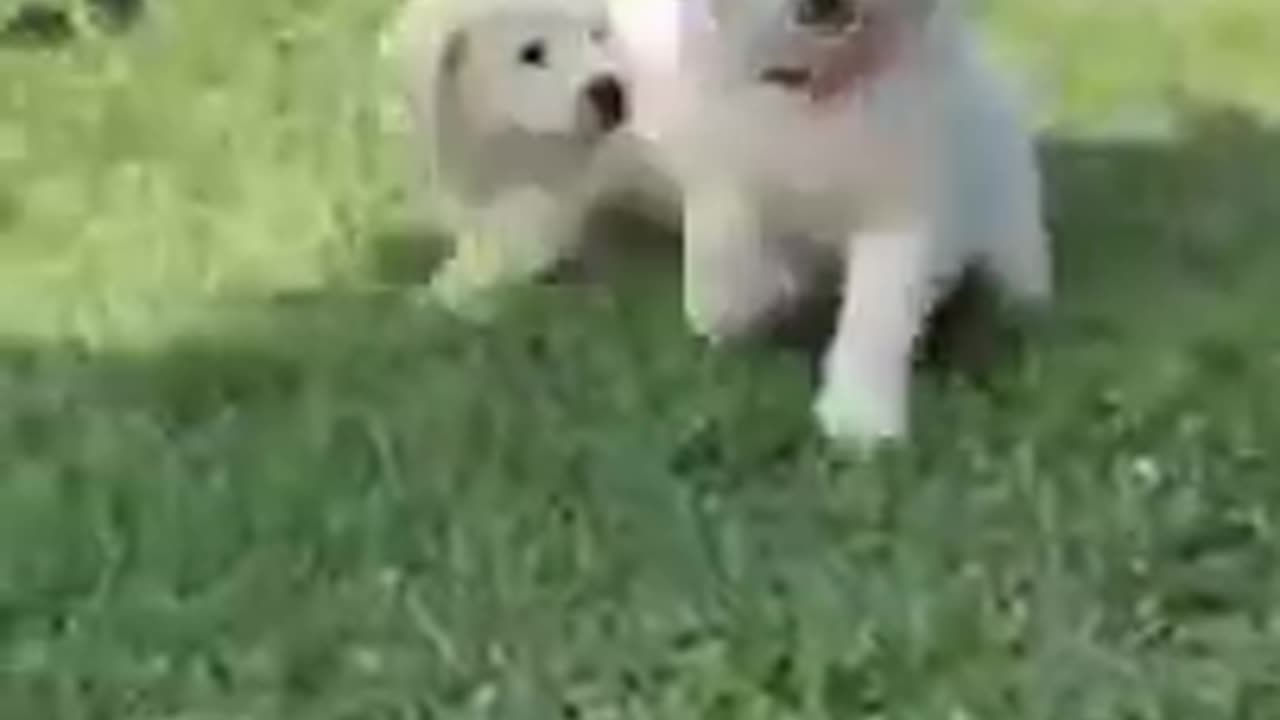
(244, 475)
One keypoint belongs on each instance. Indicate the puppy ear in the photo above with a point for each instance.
(430, 45)
(454, 53)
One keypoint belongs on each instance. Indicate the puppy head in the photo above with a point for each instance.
(544, 72)
(823, 45)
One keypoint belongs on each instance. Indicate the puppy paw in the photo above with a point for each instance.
(860, 416)
(725, 324)
(473, 305)
(740, 307)
(466, 284)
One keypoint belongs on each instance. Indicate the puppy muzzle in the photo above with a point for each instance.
(607, 103)
(787, 77)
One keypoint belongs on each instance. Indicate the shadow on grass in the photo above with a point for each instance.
(1146, 223)
(1143, 227)
(1162, 247)
(342, 492)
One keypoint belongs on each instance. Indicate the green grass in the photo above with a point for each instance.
(243, 474)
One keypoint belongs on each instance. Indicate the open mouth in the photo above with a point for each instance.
(608, 100)
(790, 78)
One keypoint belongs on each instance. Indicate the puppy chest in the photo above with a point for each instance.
(804, 151)
(822, 221)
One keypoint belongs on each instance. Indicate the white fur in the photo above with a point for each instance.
(924, 171)
(512, 154)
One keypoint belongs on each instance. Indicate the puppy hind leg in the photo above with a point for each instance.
(1018, 255)
(1020, 264)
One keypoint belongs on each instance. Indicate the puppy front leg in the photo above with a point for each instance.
(513, 238)
(864, 397)
(733, 278)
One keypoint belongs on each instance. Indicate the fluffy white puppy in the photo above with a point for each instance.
(920, 170)
(528, 114)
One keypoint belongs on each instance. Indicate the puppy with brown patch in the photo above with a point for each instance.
(866, 138)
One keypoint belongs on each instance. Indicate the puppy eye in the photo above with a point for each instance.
(829, 13)
(599, 34)
(534, 54)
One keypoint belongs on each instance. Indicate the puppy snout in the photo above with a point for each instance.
(608, 99)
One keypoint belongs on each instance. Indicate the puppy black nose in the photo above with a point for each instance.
(609, 100)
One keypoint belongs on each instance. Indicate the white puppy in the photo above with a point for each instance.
(921, 169)
(527, 115)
